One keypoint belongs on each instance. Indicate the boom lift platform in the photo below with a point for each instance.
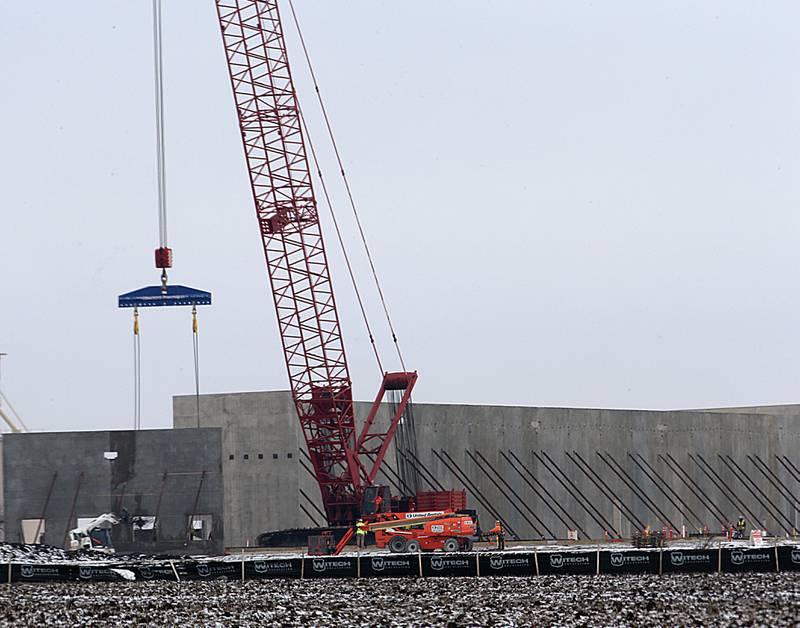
(419, 531)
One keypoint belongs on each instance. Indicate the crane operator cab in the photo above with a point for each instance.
(376, 499)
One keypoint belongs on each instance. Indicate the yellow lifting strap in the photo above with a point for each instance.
(136, 321)
(194, 319)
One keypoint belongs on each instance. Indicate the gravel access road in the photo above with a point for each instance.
(681, 600)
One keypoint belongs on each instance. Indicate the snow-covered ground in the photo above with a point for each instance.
(730, 600)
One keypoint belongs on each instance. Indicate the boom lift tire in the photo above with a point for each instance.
(412, 547)
(450, 545)
(397, 545)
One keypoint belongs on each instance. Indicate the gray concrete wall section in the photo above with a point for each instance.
(577, 442)
(543, 470)
(776, 410)
(168, 473)
(260, 459)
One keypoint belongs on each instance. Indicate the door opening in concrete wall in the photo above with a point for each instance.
(33, 530)
(200, 526)
(143, 528)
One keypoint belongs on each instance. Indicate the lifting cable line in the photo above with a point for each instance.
(196, 347)
(346, 181)
(329, 204)
(137, 372)
(159, 104)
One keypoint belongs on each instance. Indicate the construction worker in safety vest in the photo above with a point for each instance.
(741, 525)
(499, 535)
(361, 533)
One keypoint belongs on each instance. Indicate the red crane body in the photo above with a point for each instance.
(344, 460)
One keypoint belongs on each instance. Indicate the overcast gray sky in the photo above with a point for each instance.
(570, 203)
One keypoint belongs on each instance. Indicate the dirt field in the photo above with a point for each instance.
(733, 600)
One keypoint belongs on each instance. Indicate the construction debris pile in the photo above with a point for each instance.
(733, 600)
(47, 554)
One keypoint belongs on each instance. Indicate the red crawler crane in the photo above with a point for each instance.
(345, 462)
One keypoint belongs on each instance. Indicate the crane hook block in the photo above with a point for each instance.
(163, 257)
(154, 296)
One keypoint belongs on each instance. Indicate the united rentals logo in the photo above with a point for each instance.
(320, 564)
(738, 557)
(418, 515)
(559, 560)
(679, 559)
(438, 563)
(795, 555)
(618, 559)
(498, 562)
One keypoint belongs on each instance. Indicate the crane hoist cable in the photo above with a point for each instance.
(163, 253)
(345, 180)
(196, 347)
(329, 205)
(161, 295)
(137, 372)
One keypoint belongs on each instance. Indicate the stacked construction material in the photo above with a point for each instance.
(441, 500)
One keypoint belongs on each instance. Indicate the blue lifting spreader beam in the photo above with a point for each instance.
(160, 296)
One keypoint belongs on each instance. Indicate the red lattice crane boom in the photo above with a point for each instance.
(345, 461)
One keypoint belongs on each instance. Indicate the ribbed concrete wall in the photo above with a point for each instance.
(542, 470)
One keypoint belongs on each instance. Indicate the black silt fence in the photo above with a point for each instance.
(690, 561)
(625, 562)
(483, 564)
